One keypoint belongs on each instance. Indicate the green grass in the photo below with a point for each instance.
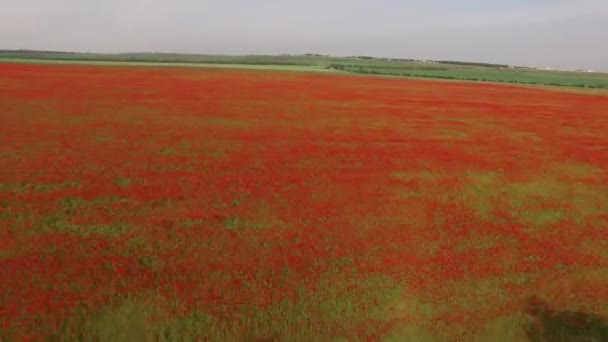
(555, 78)
(317, 317)
(123, 182)
(36, 187)
(378, 66)
(538, 203)
(56, 224)
(238, 224)
(71, 203)
(135, 319)
(60, 220)
(267, 67)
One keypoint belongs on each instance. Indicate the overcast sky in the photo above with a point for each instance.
(556, 33)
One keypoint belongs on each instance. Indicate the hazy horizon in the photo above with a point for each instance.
(543, 33)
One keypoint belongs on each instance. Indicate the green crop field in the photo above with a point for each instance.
(278, 67)
(483, 72)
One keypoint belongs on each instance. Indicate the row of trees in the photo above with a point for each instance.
(487, 65)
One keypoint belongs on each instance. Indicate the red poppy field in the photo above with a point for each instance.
(207, 204)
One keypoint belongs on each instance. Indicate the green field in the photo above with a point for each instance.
(278, 67)
(483, 72)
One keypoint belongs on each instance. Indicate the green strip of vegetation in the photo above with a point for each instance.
(169, 64)
(568, 79)
(449, 70)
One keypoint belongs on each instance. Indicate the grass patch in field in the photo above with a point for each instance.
(475, 295)
(284, 321)
(492, 184)
(357, 301)
(215, 149)
(577, 170)
(506, 328)
(135, 320)
(55, 224)
(542, 217)
(167, 151)
(259, 214)
(237, 224)
(193, 222)
(222, 122)
(418, 184)
(423, 176)
(483, 182)
(547, 188)
(138, 244)
(480, 189)
(409, 194)
(410, 332)
(7, 253)
(523, 137)
(71, 203)
(411, 307)
(594, 246)
(197, 325)
(36, 187)
(60, 220)
(483, 242)
(125, 322)
(123, 182)
(341, 309)
(525, 197)
(589, 200)
(150, 262)
(452, 135)
(103, 137)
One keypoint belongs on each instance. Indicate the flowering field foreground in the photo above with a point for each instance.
(205, 204)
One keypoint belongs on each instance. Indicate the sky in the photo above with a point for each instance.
(545, 33)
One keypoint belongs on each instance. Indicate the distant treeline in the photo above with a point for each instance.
(477, 64)
(159, 58)
(414, 67)
(36, 52)
(487, 65)
(200, 58)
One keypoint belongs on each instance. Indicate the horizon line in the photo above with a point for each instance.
(311, 54)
